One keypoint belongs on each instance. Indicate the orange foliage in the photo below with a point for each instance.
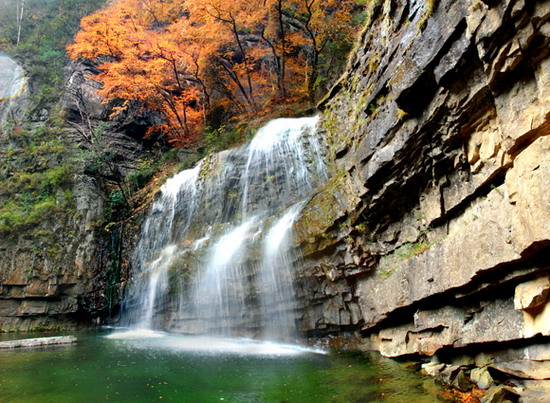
(455, 395)
(181, 58)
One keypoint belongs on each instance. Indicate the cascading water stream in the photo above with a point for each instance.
(276, 279)
(12, 86)
(217, 298)
(215, 255)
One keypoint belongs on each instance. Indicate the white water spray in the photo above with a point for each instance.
(216, 255)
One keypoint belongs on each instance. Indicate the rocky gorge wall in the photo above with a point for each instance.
(47, 264)
(433, 235)
(61, 272)
(47, 273)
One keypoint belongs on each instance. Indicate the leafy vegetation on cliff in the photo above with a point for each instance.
(212, 61)
(36, 163)
(34, 176)
(35, 33)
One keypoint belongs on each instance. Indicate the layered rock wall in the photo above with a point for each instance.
(60, 273)
(47, 271)
(434, 231)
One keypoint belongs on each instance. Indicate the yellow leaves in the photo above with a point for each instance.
(107, 32)
(117, 110)
(180, 57)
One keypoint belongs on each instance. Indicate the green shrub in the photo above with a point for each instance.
(142, 175)
(36, 171)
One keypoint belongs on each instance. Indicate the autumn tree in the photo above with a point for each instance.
(236, 60)
(142, 61)
(318, 24)
(184, 58)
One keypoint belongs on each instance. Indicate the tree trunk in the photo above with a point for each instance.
(20, 12)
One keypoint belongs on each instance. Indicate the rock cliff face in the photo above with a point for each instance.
(46, 274)
(434, 231)
(47, 266)
(55, 274)
(14, 93)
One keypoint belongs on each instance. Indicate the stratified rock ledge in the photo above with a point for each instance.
(432, 236)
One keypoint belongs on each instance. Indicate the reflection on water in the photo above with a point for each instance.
(138, 370)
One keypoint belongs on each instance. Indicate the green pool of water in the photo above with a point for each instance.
(172, 368)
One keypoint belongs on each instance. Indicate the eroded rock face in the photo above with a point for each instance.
(54, 275)
(47, 272)
(434, 231)
(532, 294)
(46, 268)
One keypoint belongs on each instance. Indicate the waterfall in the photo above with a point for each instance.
(12, 86)
(276, 282)
(215, 255)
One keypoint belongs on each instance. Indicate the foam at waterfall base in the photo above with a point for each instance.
(135, 334)
(207, 345)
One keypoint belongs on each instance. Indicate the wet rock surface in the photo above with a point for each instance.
(433, 233)
(38, 342)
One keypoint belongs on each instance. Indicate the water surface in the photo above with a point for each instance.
(144, 368)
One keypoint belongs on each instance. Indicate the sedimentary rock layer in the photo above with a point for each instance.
(434, 231)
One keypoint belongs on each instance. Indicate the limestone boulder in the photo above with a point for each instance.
(525, 369)
(532, 294)
(482, 378)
